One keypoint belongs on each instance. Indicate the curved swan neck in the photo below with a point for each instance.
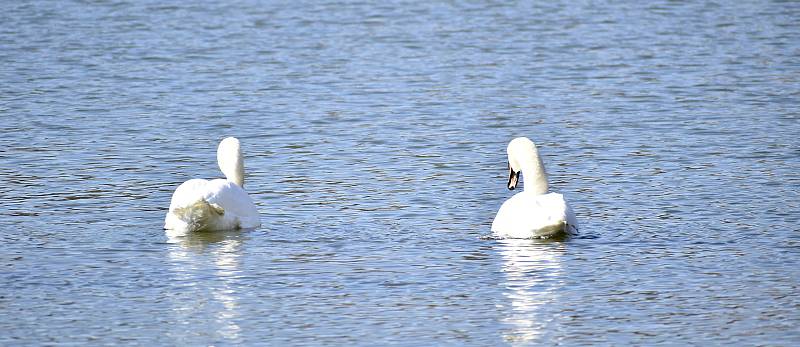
(523, 156)
(231, 161)
(534, 176)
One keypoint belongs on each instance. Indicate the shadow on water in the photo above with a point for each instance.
(560, 237)
(199, 241)
(534, 275)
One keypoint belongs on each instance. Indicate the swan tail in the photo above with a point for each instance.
(198, 216)
(556, 227)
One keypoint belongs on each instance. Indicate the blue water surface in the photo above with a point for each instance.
(374, 137)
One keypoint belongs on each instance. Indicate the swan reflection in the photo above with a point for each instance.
(194, 258)
(533, 272)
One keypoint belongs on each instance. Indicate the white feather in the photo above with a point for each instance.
(533, 213)
(220, 204)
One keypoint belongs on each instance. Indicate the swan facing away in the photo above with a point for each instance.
(220, 204)
(532, 213)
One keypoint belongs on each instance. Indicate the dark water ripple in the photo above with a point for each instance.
(374, 137)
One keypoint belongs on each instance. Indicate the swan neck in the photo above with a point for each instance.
(237, 177)
(231, 162)
(534, 176)
(235, 173)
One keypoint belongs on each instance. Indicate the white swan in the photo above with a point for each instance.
(220, 204)
(532, 213)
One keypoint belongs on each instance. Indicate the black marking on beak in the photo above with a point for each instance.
(513, 178)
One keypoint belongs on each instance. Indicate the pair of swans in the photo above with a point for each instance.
(222, 204)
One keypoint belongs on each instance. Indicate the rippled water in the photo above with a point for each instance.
(374, 137)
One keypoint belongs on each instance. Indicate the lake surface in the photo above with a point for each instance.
(374, 138)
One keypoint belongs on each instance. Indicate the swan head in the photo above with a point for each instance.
(230, 160)
(523, 157)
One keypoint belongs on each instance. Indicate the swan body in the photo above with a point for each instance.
(219, 204)
(532, 213)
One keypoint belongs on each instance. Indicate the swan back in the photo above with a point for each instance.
(231, 161)
(524, 157)
(219, 204)
(527, 215)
